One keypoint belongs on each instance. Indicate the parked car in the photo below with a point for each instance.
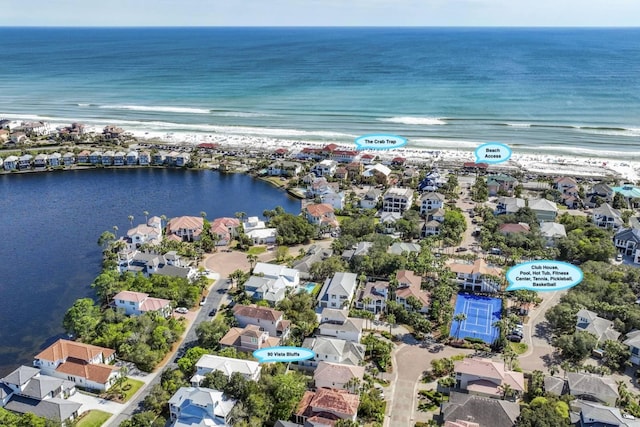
(213, 312)
(203, 301)
(461, 249)
(182, 310)
(514, 338)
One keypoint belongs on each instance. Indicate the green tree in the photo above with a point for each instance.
(327, 267)
(210, 333)
(459, 317)
(105, 239)
(453, 227)
(286, 391)
(82, 318)
(576, 347)
(616, 355)
(543, 413)
(479, 190)
(187, 363)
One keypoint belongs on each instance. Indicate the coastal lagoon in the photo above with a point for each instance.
(51, 222)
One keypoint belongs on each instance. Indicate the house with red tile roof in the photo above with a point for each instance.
(321, 214)
(479, 276)
(512, 228)
(249, 338)
(226, 229)
(409, 285)
(326, 406)
(265, 318)
(187, 228)
(84, 364)
(484, 377)
(137, 303)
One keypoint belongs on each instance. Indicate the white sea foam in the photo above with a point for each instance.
(240, 114)
(611, 132)
(161, 109)
(519, 125)
(409, 120)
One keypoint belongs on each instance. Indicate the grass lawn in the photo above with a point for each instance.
(341, 218)
(93, 418)
(135, 386)
(518, 347)
(257, 250)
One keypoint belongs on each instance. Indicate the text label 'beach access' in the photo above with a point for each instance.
(492, 152)
(543, 276)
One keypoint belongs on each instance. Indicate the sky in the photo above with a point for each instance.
(533, 13)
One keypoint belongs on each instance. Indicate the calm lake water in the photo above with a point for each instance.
(52, 221)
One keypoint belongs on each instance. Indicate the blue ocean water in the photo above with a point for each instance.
(51, 223)
(555, 90)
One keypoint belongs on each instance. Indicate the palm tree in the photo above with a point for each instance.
(460, 317)
(507, 390)
(241, 216)
(163, 219)
(553, 369)
(146, 216)
(252, 258)
(366, 301)
(391, 319)
(131, 220)
(115, 231)
(203, 214)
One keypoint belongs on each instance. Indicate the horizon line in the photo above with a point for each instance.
(330, 26)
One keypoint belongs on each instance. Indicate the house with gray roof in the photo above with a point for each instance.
(607, 217)
(509, 205)
(599, 193)
(627, 241)
(633, 342)
(555, 385)
(399, 248)
(593, 388)
(431, 201)
(371, 199)
(602, 329)
(333, 350)
(596, 415)
(55, 409)
(200, 406)
(208, 363)
(314, 254)
(338, 291)
(545, 210)
(337, 323)
(552, 231)
(169, 264)
(481, 410)
(501, 184)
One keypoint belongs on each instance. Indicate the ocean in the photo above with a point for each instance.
(50, 227)
(572, 91)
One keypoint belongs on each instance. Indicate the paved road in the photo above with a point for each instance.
(538, 336)
(190, 339)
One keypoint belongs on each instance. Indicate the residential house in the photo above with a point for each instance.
(183, 159)
(325, 168)
(484, 377)
(333, 350)
(199, 406)
(310, 153)
(397, 199)
(150, 233)
(367, 159)
(24, 161)
(37, 128)
(477, 277)
(208, 363)
(344, 156)
(144, 158)
(430, 228)
(432, 181)
(545, 210)
(108, 157)
(338, 376)
(509, 205)
(571, 201)
(336, 200)
(314, 254)
(320, 214)
(226, 229)
(288, 277)
(360, 249)
(83, 364)
(169, 264)
(187, 228)
(409, 285)
(137, 303)
(593, 388)
(4, 136)
(607, 217)
(598, 194)
(55, 159)
(431, 201)
(112, 132)
(40, 161)
(338, 291)
(132, 157)
(267, 319)
(388, 221)
(159, 158)
(602, 329)
(337, 323)
(552, 231)
(373, 297)
(119, 158)
(19, 138)
(463, 408)
(319, 186)
(501, 184)
(265, 289)
(633, 342)
(68, 158)
(25, 390)
(84, 157)
(555, 386)
(171, 158)
(325, 406)
(378, 172)
(10, 163)
(263, 236)
(354, 170)
(249, 339)
(253, 223)
(514, 228)
(341, 173)
(328, 149)
(284, 168)
(371, 199)
(95, 158)
(596, 415)
(566, 185)
(399, 248)
(627, 241)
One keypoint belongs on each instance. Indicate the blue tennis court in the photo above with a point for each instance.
(482, 312)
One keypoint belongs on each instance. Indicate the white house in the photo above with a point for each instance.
(509, 205)
(478, 277)
(137, 303)
(602, 329)
(132, 157)
(397, 199)
(552, 231)
(633, 342)
(289, 277)
(84, 364)
(325, 168)
(627, 241)
(10, 163)
(151, 233)
(370, 199)
(199, 406)
(334, 199)
(320, 214)
(183, 159)
(208, 363)
(263, 236)
(40, 161)
(338, 291)
(333, 350)
(430, 201)
(337, 376)
(485, 377)
(337, 323)
(607, 217)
